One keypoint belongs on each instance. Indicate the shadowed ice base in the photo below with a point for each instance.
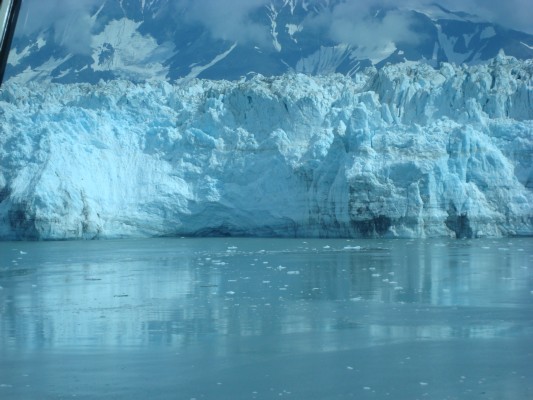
(263, 319)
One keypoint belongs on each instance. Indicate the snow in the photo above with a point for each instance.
(41, 73)
(468, 38)
(487, 33)
(293, 29)
(407, 151)
(120, 47)
(448, 44)
(16, 57)
(375, 54)
(273, 15)
(197, 70)
(324, 61)
(528, 46)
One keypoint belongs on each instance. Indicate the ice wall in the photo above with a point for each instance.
(406, 151)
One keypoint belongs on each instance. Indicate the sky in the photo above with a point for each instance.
(232, 19)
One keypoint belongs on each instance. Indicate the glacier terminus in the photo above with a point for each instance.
(407, 150)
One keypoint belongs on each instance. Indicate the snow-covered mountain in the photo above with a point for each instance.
(142, 39)
(408, 150)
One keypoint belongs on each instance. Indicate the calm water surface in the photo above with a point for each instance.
(267, 319)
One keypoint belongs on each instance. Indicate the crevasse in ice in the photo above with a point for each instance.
(407, 151)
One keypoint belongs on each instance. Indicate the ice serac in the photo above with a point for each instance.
(406, 151)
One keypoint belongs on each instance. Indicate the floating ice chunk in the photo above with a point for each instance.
(327, 247)
(230, 292)
(424, 383)
(23, 252)
(352, 247)
(293, 272)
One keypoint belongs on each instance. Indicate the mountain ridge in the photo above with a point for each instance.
(140, 39)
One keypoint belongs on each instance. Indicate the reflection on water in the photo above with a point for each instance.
(225, 304)
(175, 292)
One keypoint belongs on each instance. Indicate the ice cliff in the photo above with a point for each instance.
(404, 151)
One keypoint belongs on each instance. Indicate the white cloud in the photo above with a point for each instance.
(512, 14)
(355, 22)
(70, 19)
(227, 19)
(349, 21)
(359, 23)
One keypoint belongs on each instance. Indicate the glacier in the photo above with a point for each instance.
(404, 151)
(139, 40)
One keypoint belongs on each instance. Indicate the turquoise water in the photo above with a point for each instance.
(267, 318)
